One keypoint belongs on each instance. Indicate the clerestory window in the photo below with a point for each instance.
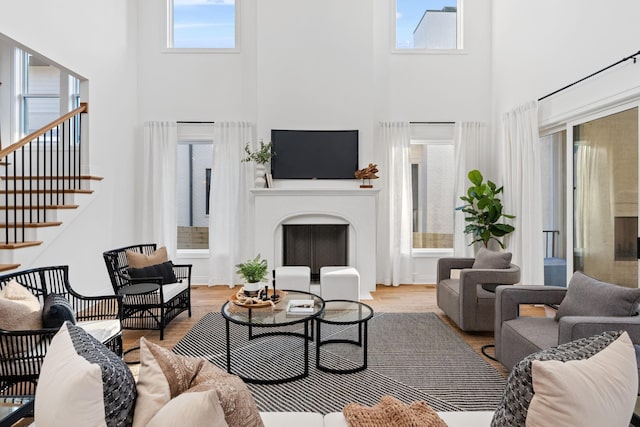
(202, 24)
(428, 25)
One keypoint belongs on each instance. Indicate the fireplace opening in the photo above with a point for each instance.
(315, 246)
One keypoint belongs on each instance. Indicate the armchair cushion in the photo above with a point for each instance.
(587, 296)
(492, 259)
(164, 270)
(56, 311)
(20, 308)
(139, 260)
(597, 391)
(519, 391)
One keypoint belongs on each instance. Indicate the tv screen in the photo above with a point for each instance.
(314, 154)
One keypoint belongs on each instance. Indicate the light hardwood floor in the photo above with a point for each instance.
(401, 299)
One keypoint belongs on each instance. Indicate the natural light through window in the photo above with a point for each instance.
(202, 24)
(427, 24)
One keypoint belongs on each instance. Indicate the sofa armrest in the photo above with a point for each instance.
(575, 327)
(445, 265)
(509, 298)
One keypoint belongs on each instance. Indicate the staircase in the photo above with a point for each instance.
(41, 188)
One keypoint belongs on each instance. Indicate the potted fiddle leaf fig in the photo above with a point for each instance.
(254, 273)
(484, 211)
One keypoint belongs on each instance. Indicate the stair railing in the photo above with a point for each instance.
(39, 170)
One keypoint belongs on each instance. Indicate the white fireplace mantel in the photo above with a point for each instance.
(356, 207)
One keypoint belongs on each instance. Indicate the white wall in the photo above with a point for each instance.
(541, 46)
(94, 39)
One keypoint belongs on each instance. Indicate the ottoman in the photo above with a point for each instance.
(339, 283)
(293, 278)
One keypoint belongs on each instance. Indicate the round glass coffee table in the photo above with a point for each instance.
(343, 312)
(272, 320)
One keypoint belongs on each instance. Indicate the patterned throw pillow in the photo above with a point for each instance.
(83, 383)
(56, 311)
(165, 376)
(518, 392)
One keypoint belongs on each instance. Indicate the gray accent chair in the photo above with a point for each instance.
(464, 300)
(517, 337)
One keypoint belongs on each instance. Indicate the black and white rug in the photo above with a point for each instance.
(412, 356)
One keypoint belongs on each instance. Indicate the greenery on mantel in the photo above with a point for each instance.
(261, 156)
(483, 211)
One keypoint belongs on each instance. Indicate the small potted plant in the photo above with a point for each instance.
(254, 273)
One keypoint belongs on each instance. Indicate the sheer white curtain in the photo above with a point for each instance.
(471, 145)
(523, 190)
(231, 218)
(394, 212)
(159, 185)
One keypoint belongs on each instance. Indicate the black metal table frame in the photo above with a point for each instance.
(307, 336)
(363, 333)
(23, 410)
(137, 289)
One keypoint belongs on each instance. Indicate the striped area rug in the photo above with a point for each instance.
(412, 356)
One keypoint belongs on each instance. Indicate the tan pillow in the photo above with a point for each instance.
(598, 391)
(138, 260)
(165, 375)
(20, 310)
(191, 409)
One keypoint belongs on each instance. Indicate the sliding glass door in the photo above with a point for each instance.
(605, 197)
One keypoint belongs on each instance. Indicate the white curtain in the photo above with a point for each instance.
(159, 185)
(394, 213)
(471, 145)
(231, 218)
(523, 190)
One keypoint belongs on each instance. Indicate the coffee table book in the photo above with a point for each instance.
(300, 307)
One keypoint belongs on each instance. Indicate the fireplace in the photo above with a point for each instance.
(315, 246)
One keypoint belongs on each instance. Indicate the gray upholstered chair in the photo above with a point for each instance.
(470, 299)
(586, 308)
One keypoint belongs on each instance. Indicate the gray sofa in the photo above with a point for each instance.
(463, 299)
(587, 307)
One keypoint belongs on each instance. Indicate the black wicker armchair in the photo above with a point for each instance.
(22, 352)
(148, 310)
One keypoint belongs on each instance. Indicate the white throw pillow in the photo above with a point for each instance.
(598, 391)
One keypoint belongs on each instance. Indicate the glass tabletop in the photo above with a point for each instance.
(10, 405)
(277, 315)
(345, 312)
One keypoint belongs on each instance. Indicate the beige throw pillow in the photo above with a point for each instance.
(598, 391)
(138, 260)
(20, 310)
(164, 376)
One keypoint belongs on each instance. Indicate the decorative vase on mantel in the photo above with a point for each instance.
(260, 181)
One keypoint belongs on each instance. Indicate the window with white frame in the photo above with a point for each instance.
(194, 158)
(40, 87)
(424, 25)
(202, 24)
(432, 182)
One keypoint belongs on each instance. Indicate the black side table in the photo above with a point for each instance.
(133, 290)
(344, 312)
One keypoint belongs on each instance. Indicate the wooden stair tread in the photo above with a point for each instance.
(42, 206)
(18, 245)
(50, 178)
(48, 191)
(7, 267)
(32, 224)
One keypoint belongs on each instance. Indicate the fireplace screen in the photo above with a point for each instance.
(315, 245)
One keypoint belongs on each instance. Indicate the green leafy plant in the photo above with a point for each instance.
(483, 211)
(253, 270)
(261, 156)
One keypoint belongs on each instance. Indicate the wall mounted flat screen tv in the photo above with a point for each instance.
(314, 154)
